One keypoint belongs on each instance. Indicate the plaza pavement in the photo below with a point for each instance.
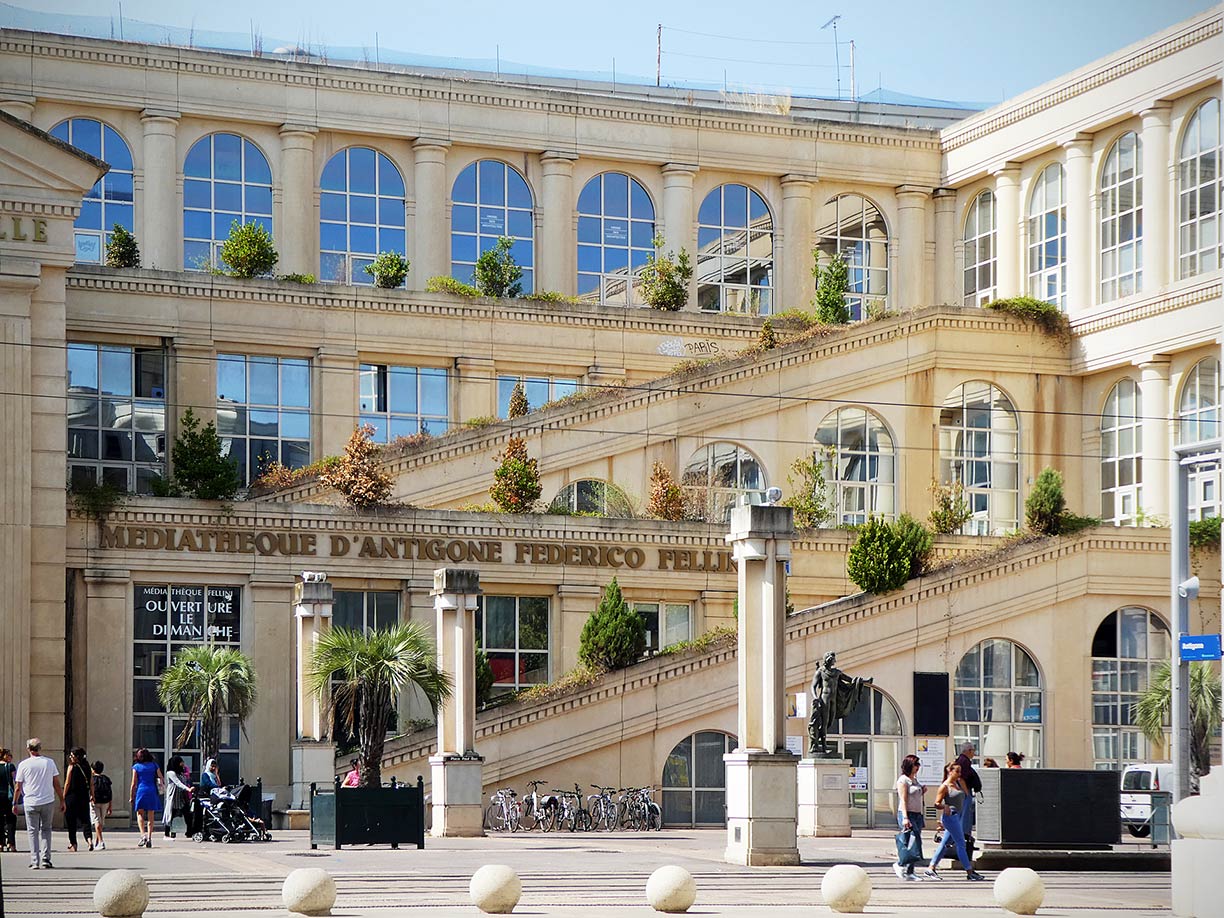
(563, 875)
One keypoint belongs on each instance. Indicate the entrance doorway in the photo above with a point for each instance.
(694, 781)
(871, 739)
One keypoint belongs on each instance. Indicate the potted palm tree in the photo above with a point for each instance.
(207, 684)
(1153, 709)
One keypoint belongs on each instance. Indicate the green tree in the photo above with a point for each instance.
(207, 683)
(121, 249)
(389, 270)
(664, 281)
(916, 542)
(614, 635)
(1045, 506)
(951, 509)
(249, 251)
(519, 406)
(201, 468)
(832, 282)
(878, 561)
(366, 672)
(497, 274)
(1155, 705)
(516, 481)
(809, 499)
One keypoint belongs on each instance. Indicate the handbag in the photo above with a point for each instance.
(909, 847)
(178, 825)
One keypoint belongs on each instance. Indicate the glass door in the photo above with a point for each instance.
(885, 769)
(856, 751)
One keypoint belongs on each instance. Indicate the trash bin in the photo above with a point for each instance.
(1162, 802)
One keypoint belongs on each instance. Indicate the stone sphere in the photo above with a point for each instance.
(121, 894)
(1019, 890)
(671, 889)
(846, 888)
(495, 889)
(309, 891)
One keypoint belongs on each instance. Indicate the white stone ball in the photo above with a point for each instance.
(671, 889)
(1019, 890)
(846, 888)
(495, 889)
(121, 894)
(309, 891)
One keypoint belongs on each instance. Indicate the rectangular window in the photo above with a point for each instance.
(263, 411)
(667, 623)
(540, 390)
(514, 633)
(362, 610)
(403, 401)
(116, 414)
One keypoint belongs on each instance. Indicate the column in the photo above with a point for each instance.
(678, 228)
(762, 799)
(1157, 437)
(947, 290)
(910, 287)
(1080, 229)
(313, 759)
(797, 286)
(429, 238)
(298, 230)
(556, 252)
(106, 614)
(1007, 233)
(268, 637)
(160, 221)
(1157, 214)
(475, 388)
(458, 795)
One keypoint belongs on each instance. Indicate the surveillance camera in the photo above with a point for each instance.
(1188, 589)
(773, 495)
(314, 577)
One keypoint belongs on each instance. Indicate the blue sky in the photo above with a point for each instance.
(965, 50)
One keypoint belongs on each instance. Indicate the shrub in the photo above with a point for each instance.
(878, 561)
(551, 296)
(297, 278)
(809, 500)
(951, 510)
(1046, 316)
(665, 279)
(767, 338)
(496, 272)
(832, 282)
(249, 250)
(1072, 523)
(485, 420)
(916, 542)
(97, 499)
(445, 284)
(201, 468)
(1045, 506)
(121, 249)
(358, 475)
(614, 635)
(798, 319)
(1205, 533)
(519, 406)
(484, 677)
(389, 270)
(666, 500)
(516, 484)
(275, 475)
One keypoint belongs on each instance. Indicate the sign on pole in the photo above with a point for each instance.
(1199, 646)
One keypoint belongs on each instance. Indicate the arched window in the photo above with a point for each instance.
(1199, 189)
(490, 200)
(979, 447)
(717, 476)
(1127, 646)
(997, 701)
(694, 781)
(980, 250)
(854, 227)
(1122, 219)
(592, 497)
(226, 179)
(735, 252)
(361, 214)
(1047, 237)
(110, 200)
(1198, 418)
(859, 465)
(1122, 454)
(616, 227)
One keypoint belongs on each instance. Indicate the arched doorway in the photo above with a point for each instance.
(871, 739)
(694, 781)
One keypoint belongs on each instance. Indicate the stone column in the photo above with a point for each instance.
(947, 288)
(158, 213)
(679, 230)
(476, 388)
(106, 613)
(458, 795)
(797, 285)
(428, 234)
(313, 759)
(761, 775)
(555, 255)
(1157, 437)
(1007, 233)
(298, 231)
(909, 289)
(1157, 214)
(1080, 229)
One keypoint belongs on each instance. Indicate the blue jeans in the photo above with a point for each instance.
(969, 814)
(954, 833)
(917, 824)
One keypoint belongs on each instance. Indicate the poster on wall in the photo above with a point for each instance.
(932, 754)
(858, 778)
(797, 704)
(794, 745)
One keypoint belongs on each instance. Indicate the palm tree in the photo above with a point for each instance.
(366, 671)
(208, 683)
(1153, 710)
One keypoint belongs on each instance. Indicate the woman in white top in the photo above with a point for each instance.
(909, 812)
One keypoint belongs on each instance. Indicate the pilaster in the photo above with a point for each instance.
(1157, 437)
(108, 635)
(1157, 213)
(555, 266)
(476, 388)
(908, 289)
(297, 231)
(335, 383)
(797, 285)
(312, 759)
(1080, 235)
(679, 229)
(947, 290)
(1007, 232)
(268, 639)
(157, 216)
(428, 236)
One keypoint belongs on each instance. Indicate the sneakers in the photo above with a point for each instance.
(34, 866)
(930, 874)
(47, 865)
(974, 875)
(899, 871)
(100, 846)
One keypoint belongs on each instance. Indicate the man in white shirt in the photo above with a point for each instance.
(37, 788)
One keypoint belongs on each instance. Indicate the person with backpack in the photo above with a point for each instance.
(101, 806)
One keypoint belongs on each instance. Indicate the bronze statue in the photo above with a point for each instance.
(834, 695)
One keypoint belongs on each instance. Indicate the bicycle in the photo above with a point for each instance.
(603, 808)
(536, 809)
(502, 813)
(637, 811)
(571, 814)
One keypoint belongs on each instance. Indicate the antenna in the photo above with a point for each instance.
(836, 52)
(659, 56)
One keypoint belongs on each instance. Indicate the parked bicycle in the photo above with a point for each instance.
(502, 814)
(571, 814)
(638, 811)
(603, 808)
(536, 810)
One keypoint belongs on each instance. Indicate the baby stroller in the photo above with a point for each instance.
(223, 817)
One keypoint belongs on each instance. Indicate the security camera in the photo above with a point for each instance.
(314, 577)
(1188, 589)
(773, 495)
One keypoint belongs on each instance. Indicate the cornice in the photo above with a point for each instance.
(1149, 306)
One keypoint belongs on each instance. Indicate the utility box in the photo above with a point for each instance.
(1049, 808)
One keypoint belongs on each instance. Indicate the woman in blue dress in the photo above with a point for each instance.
(145, 795)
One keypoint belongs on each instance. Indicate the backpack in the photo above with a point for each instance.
(102, 789)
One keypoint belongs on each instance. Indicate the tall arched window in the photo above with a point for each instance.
(859, 465)
(1122, 219)
(591, 497)
(735, 252)
(361, 213)
(694, 781)
(616, 227)
(1047, 237)
(870, 737)
(1198, 418)
(1199, 188)
(980, 250)
(1127, 646)
(717, 476)
(854, 227)
(226, 179)
(489, 200)
(979, 448)
(997, 701)
(1122, 454)
(110, 201)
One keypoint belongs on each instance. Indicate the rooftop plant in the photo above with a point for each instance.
(389, 270)
(249, 251)
(445, 284)
(358, 475)
(121, 249)
(1046, 316)
(516, 484)
(497, 274)
(665, 278)
(832, 282)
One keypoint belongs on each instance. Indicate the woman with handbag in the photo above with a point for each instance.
(909, 817)
(178, 795)
(950, 800)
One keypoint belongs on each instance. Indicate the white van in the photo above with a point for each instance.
(1137, 807)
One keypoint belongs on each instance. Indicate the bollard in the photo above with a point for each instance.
(846, 888)
(309, 891)
(671, 889)
(495, 889)
(121, 894)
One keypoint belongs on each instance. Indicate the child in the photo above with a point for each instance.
(100, 806)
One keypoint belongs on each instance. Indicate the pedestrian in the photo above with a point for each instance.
(178, 796)
(973, 785)
(909, 816)
(78, 797)
(1014, 759)
(989, 763)
(353, 778)
(103, 796)
(36, 788)
(210, 777)
(145, 795)
(8, 819)
(950, 801)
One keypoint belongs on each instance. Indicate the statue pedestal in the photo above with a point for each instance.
(761, 809)
(824, 798)
(458, 797)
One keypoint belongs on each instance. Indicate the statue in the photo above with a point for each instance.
(834, 695)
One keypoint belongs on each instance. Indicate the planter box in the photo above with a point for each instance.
(367, 815)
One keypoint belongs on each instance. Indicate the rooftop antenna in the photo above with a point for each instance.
(659, 56)
(836, 52)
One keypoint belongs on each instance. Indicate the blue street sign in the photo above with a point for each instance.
(1199, 646)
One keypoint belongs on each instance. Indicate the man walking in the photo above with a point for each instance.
(973, 783)
(37, 789)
